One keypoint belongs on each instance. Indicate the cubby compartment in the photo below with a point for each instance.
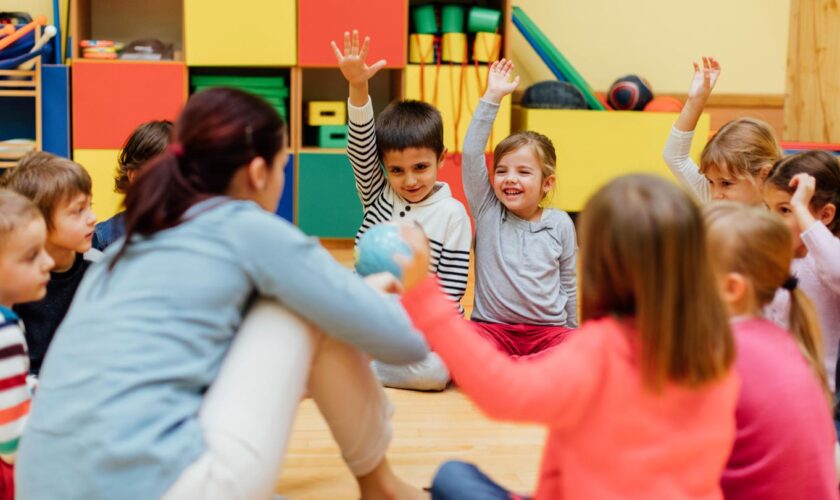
(457, 31)
(326, 89)
(126, 21)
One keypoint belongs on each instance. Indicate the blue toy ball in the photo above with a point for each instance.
(377, 248)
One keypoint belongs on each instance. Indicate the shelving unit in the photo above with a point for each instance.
(288, 38)
(24, 88)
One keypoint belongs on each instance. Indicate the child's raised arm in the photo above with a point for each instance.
(678, 145)
(474, 170)
(823, 246)
(698, 93)
(361, 135)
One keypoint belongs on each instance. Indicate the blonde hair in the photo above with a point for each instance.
(15, 210)
(47, 180)
(741, 149)
(643, 255)
(755, 243)
(541, 145)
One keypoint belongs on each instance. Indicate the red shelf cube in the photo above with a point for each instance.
(110, 99)
(321, 21)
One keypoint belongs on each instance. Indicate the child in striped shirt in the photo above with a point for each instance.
(407, 140)
(24, 273)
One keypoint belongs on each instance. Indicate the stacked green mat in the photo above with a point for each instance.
(271, 88)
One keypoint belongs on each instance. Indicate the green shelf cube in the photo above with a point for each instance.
(327, 203)
(332, 136)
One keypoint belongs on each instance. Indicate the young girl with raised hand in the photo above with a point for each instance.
(526, 286)
(735, 161)
(166, 380)
(805, 190)
(640, 401)
(779, 452)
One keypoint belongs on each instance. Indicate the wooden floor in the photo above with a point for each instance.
(429, 428)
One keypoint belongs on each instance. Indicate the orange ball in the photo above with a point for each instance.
(664, 104)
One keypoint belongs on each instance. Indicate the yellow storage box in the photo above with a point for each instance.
(594, 147)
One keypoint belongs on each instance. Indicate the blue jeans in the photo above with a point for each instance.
(460, 480)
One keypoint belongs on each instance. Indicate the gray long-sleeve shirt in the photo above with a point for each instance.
(525, 271)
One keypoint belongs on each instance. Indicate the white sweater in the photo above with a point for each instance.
(676, 154)
(442, 217)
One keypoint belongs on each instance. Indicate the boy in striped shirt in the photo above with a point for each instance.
(24, 272)
(406, 141)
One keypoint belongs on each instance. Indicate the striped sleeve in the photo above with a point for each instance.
(14, 392)
(361, 150)
(451, 258)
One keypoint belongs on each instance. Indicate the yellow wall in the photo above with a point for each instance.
(657, 39)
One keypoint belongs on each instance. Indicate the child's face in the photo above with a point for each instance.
(725, 187)
(25, 264)
(73, 222)
(519, 183)
(412, 172)
(778, 201)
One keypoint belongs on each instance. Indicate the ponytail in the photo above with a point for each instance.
(219, 132)
(805, 327)
(755, 243)
(157, 199)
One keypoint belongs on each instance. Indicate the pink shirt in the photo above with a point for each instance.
(784, 446)
(819, 278)
(609, 436)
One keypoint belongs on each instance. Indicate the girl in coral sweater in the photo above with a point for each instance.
(640, 402)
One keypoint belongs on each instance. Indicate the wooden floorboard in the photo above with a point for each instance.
(429, 428)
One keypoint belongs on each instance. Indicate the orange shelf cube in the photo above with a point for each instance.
(321, 21)
(110, 99)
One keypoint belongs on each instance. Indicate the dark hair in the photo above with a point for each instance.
(219, 131)
(644, 256)
(48, 180)
(409, 124)
(147, 141)
(823, 167)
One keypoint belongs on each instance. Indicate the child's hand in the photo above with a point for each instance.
(499, 83)
(704, 79)
(352, 61)
(800, 202)
(415, 268)
(805, 186)
(386, 283)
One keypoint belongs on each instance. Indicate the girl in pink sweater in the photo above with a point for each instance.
(805, 190)
(784, 445)
(640, 401)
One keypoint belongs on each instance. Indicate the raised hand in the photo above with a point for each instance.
(805, 186)
(704, 79)
(352, 61)
(499, 83)
(800, 202)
